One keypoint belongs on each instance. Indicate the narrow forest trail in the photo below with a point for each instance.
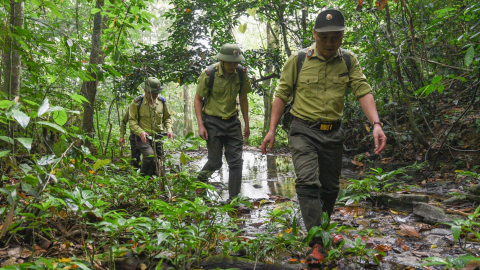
(405, 225)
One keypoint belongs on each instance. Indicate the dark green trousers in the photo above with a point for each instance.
(317, 158)
(224, 134)
(148, 161)
(136, 154)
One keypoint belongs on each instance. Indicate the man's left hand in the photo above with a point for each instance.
(170, 135)
(379, 138)
(246, 132)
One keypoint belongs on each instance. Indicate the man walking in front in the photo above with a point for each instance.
(149, 117)
(315, 136)
(217, 115)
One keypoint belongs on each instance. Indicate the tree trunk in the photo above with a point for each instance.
(89, 89)
(11, 55)
(187, 111)
(411, 118)
(268, 89)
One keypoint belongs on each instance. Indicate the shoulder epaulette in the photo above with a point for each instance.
(139, 98)
(162, 99)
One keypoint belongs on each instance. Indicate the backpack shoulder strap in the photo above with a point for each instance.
(347, 58)
(300, 60)
(162, 99)
(210, 70)
(137, 99)
(241, 74)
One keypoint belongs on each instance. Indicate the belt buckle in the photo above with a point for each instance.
(225, 118)
(326, 127)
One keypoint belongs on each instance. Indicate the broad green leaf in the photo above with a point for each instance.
(32, 180)
(51, 126)
(7, 139)
(252, 11)
(32, 104)
(29, 189)
(4, 153)
(79, 98)
(52, 79)
(430, 88)
(242, 28)
(26, 142)
(183, 159)
(43, 108)
(100, 163)
(60, 117)
(436, 79)
(21, 118)
(441, 88)
(5, 103)
(456, 231)
(95, 10)
(53, 8)
(469, 56)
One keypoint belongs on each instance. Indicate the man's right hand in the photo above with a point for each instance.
(269, 139)
(202, 132)
(143, 137)
(121, 142)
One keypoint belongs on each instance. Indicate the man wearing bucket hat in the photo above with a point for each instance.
(149, 117)
(217, 115)
(315, 136)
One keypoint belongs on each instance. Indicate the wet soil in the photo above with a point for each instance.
(397, 225)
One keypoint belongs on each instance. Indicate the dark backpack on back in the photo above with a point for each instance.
(211, 74)
(287, 116)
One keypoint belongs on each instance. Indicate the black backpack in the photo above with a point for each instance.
(211, 74)
(287, 116)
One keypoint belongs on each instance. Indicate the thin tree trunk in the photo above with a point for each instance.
(411, 118)
(269, 90)
(187, 111)
(11, 55)
(89, 89)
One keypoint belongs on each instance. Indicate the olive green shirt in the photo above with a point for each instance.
(321, 85)
(159, 121)
(123, 124)
(222, 99)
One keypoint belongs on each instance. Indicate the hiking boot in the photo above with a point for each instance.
(337, 239)
(316, 255)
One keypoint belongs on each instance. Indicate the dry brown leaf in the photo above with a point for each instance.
(367, 241)
(472, 265)
(402, 244)
(381, 4)
(359, 6)
(383, 248)
(8, 221)
(409, 230)
(358, 163)
(352, 211)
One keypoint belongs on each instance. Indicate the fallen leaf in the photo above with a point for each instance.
(402, 244)
(472, 265)
(292, 260)
(409, 230)
(352, 211)
(383, 248)
(368, 242)
(64, 260)
(433, 246)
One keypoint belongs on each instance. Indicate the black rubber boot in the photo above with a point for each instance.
(312, 216)
(234, 182)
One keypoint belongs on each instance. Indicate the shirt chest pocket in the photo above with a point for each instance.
(340, 85)
(308, 86)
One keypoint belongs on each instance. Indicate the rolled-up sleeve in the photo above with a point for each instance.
(358, 81)
(287, 79)
(167, 118)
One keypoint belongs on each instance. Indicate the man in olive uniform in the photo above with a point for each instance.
(136, 155)
(149, 116)
(218, 121)
(315, 136)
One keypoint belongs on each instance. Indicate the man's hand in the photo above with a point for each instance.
(269, 139)
(379, 138)
(143, 137)
(170, 135)
(246, 132)
(202, 132)
(121, 142)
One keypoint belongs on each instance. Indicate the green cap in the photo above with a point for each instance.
(230, 53)
(151, 85)
(330, 20)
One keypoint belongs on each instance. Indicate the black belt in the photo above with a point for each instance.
(322, 125)
(222, 118)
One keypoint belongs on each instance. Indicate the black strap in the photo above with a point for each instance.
(211, 79)
(300, 60)
(346, 58)
(140, 105)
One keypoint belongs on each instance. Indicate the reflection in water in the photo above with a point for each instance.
(262, 175)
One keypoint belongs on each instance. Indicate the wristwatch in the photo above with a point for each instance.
(377, 123)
